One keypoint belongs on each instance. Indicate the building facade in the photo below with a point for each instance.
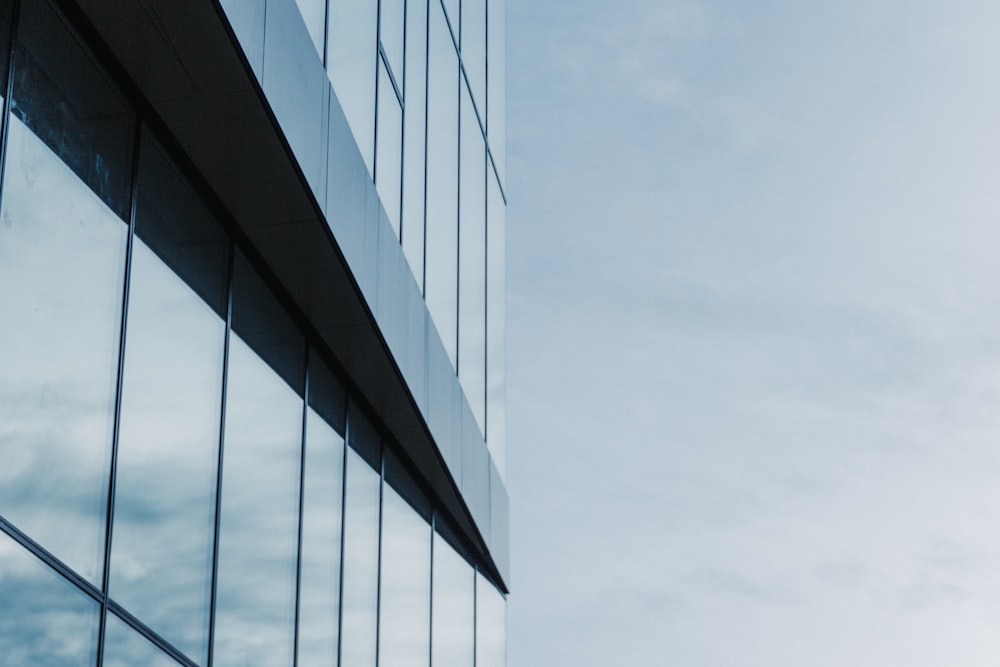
(252, 333)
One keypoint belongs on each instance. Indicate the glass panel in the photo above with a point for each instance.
(351, 55)
(472, 264)
(62, 264)
(165, 493)
(453, 8)
(388, 163)
(361, 519)
(44, 620)
(6, 14)
(441, 289)
(255, 605)
(474, 48)
(391, 14)
(414, 132)
(319, 596)
(491, 625)
(124, 647)
(496, 115)
(314, 14)
(404, 617)
(496, 306)
(454, 608)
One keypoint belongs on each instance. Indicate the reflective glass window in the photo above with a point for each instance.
(414, 133)
(404, 611)
(161, 557)
(62, 266)
(322, 502)
(441, 286)
(391, 32)
(496, 306)
(453, 8)
(453, 622)
(351, 54)
(491, 625)
(124, 647)
(44, 620)
(389, 161)
(360, 585)
(314, 14)
(6, 14)
(258, 538)
(496, 82)
(474, 48)
(472, 263)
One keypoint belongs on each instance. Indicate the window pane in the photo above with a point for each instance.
(30, 633)
(414, 132)
(496, 115)
(161, 560)
(351, 55)
(491, 625)
(452, 6)
(361, 517)
(388, 163)
(474, 48)
(124, 647)
(258, 541)
(454, 608)
(404, 620)
(392, 35)
(441, 290)
(319, 597)
(472, 264)
(496, 307)
(314, 14)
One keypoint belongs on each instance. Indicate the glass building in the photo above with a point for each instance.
(252, 340)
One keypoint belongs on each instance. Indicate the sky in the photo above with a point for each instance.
(754, 332)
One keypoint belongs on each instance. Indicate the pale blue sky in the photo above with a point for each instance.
(754, 333)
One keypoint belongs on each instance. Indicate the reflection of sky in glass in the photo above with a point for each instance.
(124, 647)
(259, 524)
(61, 269)
(454, 605)
(44, 620)
(360, 620)
(414, 113)
(496, 317)
(319, 597)
(388, 161)
(491, 625)
(165, 492)
(351, 55)
(404, 622)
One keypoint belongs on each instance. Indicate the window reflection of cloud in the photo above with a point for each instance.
(61, 271)
(124, 647)
(491, 625)
(44, 620)
(167, 456)
(454, 606)
(360, 621)
(259, 523)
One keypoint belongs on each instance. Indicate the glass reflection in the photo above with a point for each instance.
(491, 625)
(314, 15)
(388, 162)
(496, 82)
(391, 33)
(474, 48)
(258, 537)
(360, 585)
(496, 307)
(44, 620)
(319, 591)
(453, 624)
(124, 647)
(62, 263)
(472, 263)
(351, 53)
(414, 113)
(404, 609)
(441, 283)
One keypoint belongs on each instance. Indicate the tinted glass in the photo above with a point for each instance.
(452, 642)
(453, 7)
(393, 25)
(314, 15)
(323, 479)
(441, 286)
(472, 264)
(62, 261)
(161, 558)
(404, 618)
(388, 162)
(474, 48)
(496, 306)
(124, 647)
(258, 540)
(44, 620)
(360, 585)
(351, 55)
(491, 625)
(496, 78)
(414, 132)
